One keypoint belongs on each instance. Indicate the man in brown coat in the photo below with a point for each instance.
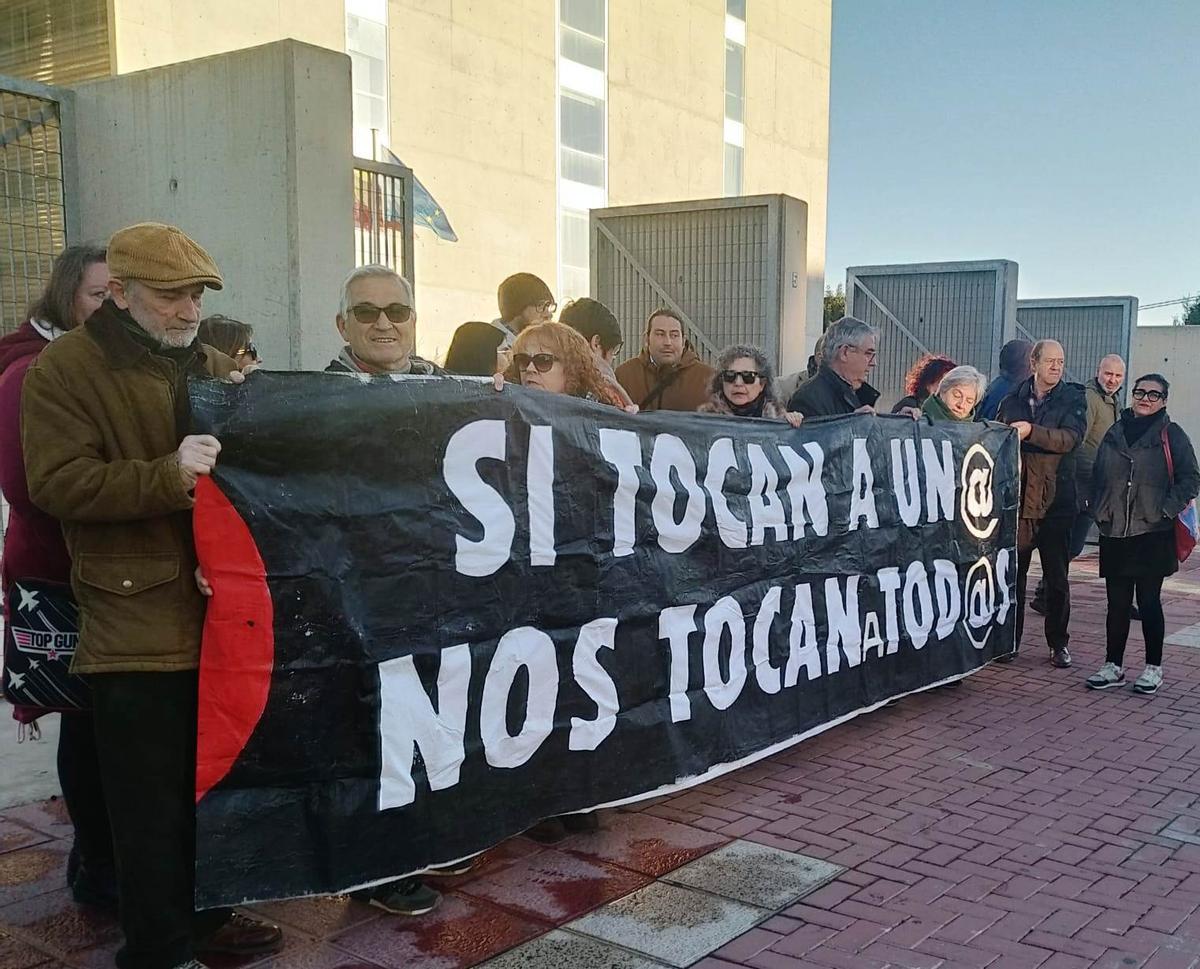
(1050, 417)
(105, 429)
(667, 374)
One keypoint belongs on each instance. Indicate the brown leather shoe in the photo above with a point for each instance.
(242, 936)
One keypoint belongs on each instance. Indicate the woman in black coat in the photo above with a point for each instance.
(1135, 501)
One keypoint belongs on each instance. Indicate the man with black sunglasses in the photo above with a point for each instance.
(378, 321)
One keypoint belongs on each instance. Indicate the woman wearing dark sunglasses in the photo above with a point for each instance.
(744, 386)
(555, 358)
(232, 337)
(1144, 476)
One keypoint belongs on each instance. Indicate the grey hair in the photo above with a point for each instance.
(761, 364)
(964, 375)
(369, 271)
(846, 332)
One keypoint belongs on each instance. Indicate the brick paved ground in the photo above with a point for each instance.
(1018, 821)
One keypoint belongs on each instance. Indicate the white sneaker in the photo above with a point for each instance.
(1149, 681)
(1110, 674)
(192, 964)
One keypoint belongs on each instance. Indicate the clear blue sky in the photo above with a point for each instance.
(1063, 134)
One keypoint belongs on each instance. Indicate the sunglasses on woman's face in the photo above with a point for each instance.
(368, 313)
(748, 377)
(542, 362)
(1151, 395)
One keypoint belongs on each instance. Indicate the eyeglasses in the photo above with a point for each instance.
(542, 362)
(1151, 395)
(546, 306)
(747, 376)
(368, 313)
(248, 350)
(869, 354)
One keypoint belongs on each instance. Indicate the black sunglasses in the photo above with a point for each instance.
(368, 313)
(748, 376)
(542, 362)
(1150, 395)
(249, 348)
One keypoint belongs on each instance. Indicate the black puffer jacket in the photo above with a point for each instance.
(828, 395)
(1132, 494)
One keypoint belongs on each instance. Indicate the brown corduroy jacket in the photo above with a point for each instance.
(687, 390)
(101, 419)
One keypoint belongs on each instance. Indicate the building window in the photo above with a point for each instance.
(367, 45)
(582, 32)
(574, 268)
(735, 95)
(733, 169)
(582, 136)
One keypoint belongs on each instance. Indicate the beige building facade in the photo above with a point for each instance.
(520, 115)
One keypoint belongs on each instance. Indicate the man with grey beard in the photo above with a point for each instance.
(105, 423)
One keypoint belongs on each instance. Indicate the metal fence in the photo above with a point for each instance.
(735, 270)
(383, 216)
(965, 310)
(35, 167)
(1088, 327)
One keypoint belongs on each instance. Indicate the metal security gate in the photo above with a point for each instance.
(383, 216)
(37, 167)
(965, 310)
(734, 270)
(1088, 327)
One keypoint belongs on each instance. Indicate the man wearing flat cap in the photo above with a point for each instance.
(105, 429)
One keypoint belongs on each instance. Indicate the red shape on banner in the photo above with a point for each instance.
(238, 651)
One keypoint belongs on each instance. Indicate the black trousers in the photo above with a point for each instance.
(83, 793)
(146, 741)
(1052, 539)
(1154, 626)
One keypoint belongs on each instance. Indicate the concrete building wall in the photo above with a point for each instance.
(151, 33)
(1173, 352)
(250, 154)
(480, 133)
(666, 86)
(473, 105)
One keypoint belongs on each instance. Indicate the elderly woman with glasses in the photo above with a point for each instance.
(744, 386)
(1145, 475)
(956, 396)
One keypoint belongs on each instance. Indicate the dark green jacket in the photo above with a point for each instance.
(1132, 493)
(936, 411)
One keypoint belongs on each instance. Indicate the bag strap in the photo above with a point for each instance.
(664, 382)
(1166, 443)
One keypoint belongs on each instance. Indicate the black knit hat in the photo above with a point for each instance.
(521, 290)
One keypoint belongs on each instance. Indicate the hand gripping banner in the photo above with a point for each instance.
(442, 613)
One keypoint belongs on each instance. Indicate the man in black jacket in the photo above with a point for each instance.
(840, 385)
(1050, 416)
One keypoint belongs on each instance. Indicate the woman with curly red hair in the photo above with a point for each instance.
(555, 358)
(922, 380)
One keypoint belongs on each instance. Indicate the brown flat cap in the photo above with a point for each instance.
(160, 256)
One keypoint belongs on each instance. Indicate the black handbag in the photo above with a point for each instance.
(41, 631)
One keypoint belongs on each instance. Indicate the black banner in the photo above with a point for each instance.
(443, 613)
